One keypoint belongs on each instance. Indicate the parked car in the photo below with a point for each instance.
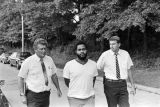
(17, 58)
(1, 50)
(4, 57)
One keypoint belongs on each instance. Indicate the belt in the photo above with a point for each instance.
(111, 80)
(38, 92)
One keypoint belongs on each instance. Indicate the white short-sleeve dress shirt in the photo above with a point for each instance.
(81, 78)
(107, 63)
(31, 70)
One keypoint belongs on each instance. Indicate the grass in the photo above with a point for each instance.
(149, 78)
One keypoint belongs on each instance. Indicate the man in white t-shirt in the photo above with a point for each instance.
(80, 75)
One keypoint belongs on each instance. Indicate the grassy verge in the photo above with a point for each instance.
(146, 77)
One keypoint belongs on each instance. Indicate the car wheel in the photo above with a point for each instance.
(11, 64)
(4, 62)
(18, 66)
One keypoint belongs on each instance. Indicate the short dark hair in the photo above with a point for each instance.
(115, 38)
(39, 41)
(80, 43)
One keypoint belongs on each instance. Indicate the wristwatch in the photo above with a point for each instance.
(22, 94)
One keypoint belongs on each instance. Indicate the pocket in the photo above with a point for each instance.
(49, 70)
(93, 96)
(29, 96)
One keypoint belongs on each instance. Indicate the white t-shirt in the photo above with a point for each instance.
(107, 63)
(81, 78)
(31, 70)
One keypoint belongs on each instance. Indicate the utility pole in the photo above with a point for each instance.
(22, 18)
(22, 33)
(22, 21)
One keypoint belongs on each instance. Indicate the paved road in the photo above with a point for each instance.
(141, 99)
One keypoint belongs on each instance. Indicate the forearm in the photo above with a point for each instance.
(55, 81)
(21, 85)
(130, 77)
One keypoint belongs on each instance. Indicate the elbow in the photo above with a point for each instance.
(99, 68)
(54, 77)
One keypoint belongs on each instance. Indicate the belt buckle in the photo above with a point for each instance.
(121, 80)
(110, 80)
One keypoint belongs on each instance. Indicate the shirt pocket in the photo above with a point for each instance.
(49, 69)
(123, 65)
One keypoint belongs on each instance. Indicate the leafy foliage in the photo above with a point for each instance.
(53, 19)
(42, 19)
(10, 24)
(108, 17)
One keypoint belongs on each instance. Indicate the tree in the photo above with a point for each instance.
(142, 14)
(109, 16)
(10, 22)
(40, 20)
(98, 20)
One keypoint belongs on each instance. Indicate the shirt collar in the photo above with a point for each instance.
(38, 58)
(119, 52)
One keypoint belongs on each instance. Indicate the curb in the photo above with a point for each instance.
(5, 101)
(139, 87)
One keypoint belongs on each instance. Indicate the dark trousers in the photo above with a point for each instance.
(37, 99)
(116, 93)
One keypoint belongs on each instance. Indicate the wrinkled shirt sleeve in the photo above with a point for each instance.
(24, 69)
(66, 73)
(100, 62)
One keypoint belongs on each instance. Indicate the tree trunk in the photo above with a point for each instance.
(128, 38)
(61, 41)
(145, 41)
(102, 45)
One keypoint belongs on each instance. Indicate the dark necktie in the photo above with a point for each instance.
(44, 72)
(117, 67)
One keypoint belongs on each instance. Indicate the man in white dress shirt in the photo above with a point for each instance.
(80, 75)
(37, 72)
(116, 64)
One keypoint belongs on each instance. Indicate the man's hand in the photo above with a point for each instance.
(133, 90)
(24, 99)
(59, 93)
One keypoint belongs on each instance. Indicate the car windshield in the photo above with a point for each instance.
(6, 54)
(25, 54)
(3, 54)
(1, 50)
